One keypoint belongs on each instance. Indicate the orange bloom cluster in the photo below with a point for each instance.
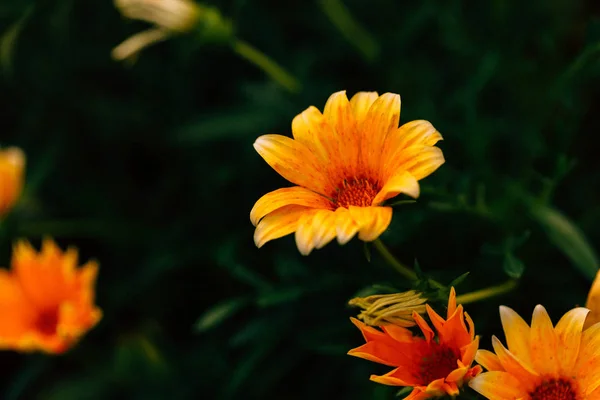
(542, 362)
(346, 162)
(434, 365)
(46, 301)
(12, 166)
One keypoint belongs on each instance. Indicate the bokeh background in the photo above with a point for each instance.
(149, 168)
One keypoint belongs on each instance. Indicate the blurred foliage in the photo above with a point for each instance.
(150, 169)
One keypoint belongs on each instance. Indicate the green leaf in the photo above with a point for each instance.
(459, 280)
(218, 314)
(569, 239)
(367, 251)
(513, 267)
(401, 202)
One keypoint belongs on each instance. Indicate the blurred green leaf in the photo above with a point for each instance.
(219, 313)
(513, 267)
(568, 238)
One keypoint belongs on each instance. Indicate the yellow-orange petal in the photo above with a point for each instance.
(568, 331)
(587, 366)
(403, 182)
(284, 197)
(383, 117)
(315, 229)
(425, 328)
(390, 378)
(338, 111)
(345, 226)
(12, 167)
(511, 364)
(593, 302)
(372, 221)
(517, 334)
(292, 160)
(468, 351)
(307, 128)
(543, 342)
(361, 102)
(419, 160)
(411, 134)
(279, 223)
(488, 360)
(498, 385)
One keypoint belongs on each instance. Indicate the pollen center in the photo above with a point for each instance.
(440, 361)
(555, 389)
(356, 192)
(47, 321)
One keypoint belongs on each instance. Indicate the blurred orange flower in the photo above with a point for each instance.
(433, 367)
(593, 303)
(542, 362)
(46, 302)
(12, 168)
(346, 162)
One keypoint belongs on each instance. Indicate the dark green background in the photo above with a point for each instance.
(150, 169)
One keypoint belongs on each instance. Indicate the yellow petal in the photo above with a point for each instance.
(511, 364)
(372, 221)
(517, 334)
(469, 351)
(403, 182)
(361, 103)
(345, 225)
(293, 161)
(587, 367)
(284, 197)
(419, 160)
(315, 229)
(568, 331)
(338, 112)
(498, 385)
(488, 360)
(307, 128)
(280, 222)
(543, 342)
(593, 302)
(381, 119)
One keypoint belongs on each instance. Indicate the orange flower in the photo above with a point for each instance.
(593, 303)
(12, 165)
(46, 302)
(434, 368)
(542, 362)
(346, 161)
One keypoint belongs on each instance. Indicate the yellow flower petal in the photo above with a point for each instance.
(279, 223)
(511, 364)
(293, 161)
(284, 197)
(345, 225)
(404, 182)
(381, 119)
(593, 303)
(315, 229)
(568, 331)
(372, 221)
(543, 343)
(517, 334)
(361, 103)
(498, 385)
(338, 112)
(488, 360)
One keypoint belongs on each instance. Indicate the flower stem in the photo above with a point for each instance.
(343, 20)
(398, 266)
(270, 67)
(486, 293)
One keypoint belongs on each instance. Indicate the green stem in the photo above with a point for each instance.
(343, 20)
(398, 266)
(270, 67)
(486, 293)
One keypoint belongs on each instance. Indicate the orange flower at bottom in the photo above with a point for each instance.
(46, 302)
(434, 368)
(542, 362)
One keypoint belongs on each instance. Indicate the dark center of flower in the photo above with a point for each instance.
(356, 192)
(47, 321)
(555, 389)
(438, 363)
